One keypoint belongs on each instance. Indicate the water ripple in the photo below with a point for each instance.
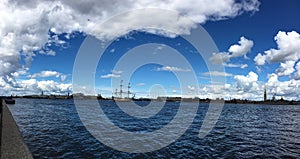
(52, 129)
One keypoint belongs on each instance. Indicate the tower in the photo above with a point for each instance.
(265, 94)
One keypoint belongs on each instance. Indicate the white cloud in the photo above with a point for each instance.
(33, 86)
(242, 48)
(260, 59)
(242, 66)
(288, 44)
(51, 86)
(172, 69)
(47, 73)
(110, 75)
(246, 83)
(248, 87)
(25, 24)
(288, 89)
(287, 54)
(237, 50)
(20, 72)
(297, 74)
(245, 87)
(286, 68)
(217, 73)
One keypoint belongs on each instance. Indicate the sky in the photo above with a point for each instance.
(258, 44)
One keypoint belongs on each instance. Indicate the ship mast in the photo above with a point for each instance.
(121, 86)
(128, 92)
(121, 92)
(116, 92)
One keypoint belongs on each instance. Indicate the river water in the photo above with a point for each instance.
(53, 129)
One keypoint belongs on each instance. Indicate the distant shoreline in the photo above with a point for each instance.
(162, 99)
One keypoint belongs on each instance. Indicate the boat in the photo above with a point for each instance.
(9, 101)
(122, 99)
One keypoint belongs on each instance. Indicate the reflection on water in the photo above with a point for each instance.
(52, 129)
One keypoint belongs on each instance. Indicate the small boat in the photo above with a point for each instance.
(9, 101)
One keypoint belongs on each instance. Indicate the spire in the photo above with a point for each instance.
(265, 94)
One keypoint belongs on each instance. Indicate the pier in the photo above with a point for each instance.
(12, 144)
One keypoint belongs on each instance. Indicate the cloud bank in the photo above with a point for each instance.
(25, 25)
(287, 53)
(29, 27)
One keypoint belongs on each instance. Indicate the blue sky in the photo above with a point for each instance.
(45, 63)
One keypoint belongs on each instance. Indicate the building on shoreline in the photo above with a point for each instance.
(265, 93)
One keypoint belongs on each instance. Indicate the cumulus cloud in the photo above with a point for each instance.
(288, 44)
(260, 59)
(289, 89)
(20, 72)
(248, 82)
(33, 86)
(25, 25)
(249, 87)
(244, 87)
(237, 50)
(286, 68)
(52, 86)
(242, 48)
(297, 74)
(287, 52)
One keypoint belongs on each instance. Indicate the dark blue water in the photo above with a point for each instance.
(53, 129)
